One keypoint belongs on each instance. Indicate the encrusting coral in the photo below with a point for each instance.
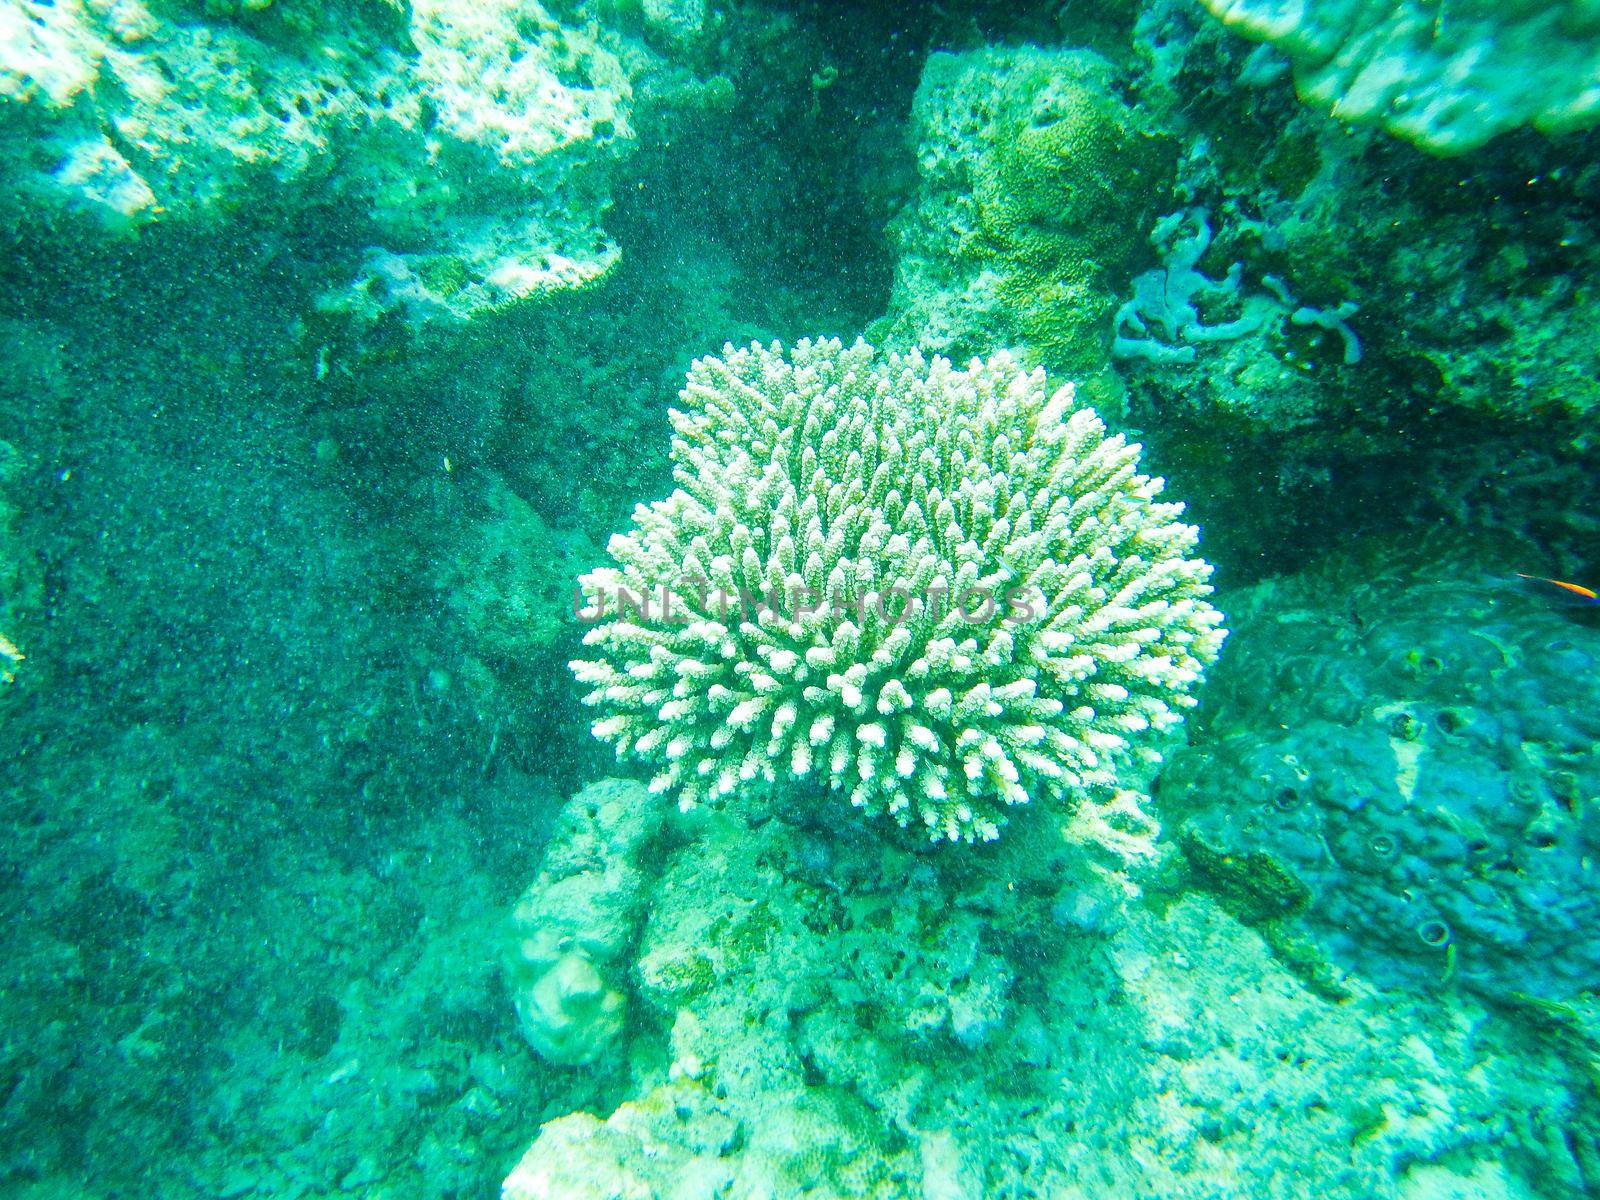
(1446, 77)
(1037, 183)
(1065, 188)
(942, 592)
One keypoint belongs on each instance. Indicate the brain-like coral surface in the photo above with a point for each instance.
(939, 592)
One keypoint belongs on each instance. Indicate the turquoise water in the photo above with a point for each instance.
(345, 348)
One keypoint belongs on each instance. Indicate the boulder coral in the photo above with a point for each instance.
(577, 921)
(1402, 758)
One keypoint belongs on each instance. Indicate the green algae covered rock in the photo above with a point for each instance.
(509, 579)
(1037, 187)
(20, 585)
(1071, 180)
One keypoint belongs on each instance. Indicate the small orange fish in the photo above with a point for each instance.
(1587, 595)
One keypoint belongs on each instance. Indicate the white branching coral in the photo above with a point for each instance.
(938, 592)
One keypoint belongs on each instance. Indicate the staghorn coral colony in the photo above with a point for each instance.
(934, 845)
(943, 593)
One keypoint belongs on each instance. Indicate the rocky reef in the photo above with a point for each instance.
(836, 1017)
(336, 342)
(476, 140)
(1402, 757)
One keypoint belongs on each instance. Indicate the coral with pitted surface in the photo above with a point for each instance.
(941, 592)
(1423, 758)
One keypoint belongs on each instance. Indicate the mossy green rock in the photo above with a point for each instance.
(1064, 200)
(1038, 186)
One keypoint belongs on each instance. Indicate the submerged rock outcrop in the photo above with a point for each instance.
(474, 140)
(839, 1016)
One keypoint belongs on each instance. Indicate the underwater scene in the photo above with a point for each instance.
(788, 600)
